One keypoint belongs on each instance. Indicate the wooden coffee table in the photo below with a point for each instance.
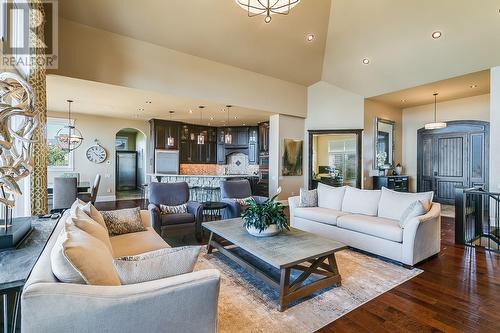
(292, 250)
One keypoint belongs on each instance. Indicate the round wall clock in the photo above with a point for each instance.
(96, 153)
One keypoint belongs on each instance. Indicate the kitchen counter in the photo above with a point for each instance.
(200, 176)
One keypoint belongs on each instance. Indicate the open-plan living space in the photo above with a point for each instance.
(249, 166)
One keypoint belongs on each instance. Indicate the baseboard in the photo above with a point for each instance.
(102, 198)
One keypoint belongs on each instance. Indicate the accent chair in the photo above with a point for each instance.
(236, 189)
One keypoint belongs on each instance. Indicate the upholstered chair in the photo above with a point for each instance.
(65, 192)
(92, 195)
(174, 194)
(236, 189)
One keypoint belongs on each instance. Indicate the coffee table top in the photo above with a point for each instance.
(283, 250)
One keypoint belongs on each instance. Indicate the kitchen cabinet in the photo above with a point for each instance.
(221, 154)
(264, 138)
(161, 130)
(253, 151)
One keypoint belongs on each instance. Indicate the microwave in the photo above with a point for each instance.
(167, 162)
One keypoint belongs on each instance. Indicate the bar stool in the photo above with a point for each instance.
(209, 193)
(194, 192)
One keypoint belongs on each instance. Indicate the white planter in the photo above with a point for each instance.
(271, 230)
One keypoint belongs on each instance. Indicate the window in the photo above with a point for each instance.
(121, 143)
(58, 159)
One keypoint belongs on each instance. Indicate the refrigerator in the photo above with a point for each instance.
(126, 170)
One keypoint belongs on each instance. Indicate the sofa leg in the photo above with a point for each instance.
(410, 267)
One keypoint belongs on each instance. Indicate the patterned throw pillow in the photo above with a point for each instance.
(308, 198)
(415, 209)
(243, 201)
(123, 221)
(157, 264)
(180, 209)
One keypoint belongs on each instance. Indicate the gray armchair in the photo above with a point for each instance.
(236, 189)
(173, 194)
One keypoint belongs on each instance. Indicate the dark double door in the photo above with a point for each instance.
(456, 156)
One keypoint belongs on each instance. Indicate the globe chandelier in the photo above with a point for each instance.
(267, 7)
(69, 137)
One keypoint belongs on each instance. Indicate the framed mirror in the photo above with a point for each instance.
(335, 157)
(383, 143)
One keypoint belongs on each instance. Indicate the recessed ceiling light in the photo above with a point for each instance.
(141, 109)
(310, 37)
(212, 118)
(244, 124)
(148, 102)
(190, 111)
(366, 61)
(403, 101)
(436, 34)
(235, 117)
(472, 86)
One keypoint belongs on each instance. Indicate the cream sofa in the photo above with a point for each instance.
(182, 303)
(369, 221)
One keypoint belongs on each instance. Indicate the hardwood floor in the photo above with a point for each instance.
(459, 291)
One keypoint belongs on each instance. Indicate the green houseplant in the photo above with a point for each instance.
(265, 219)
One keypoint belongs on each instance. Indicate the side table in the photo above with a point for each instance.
(16, 265)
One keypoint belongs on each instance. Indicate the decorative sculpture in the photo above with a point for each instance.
(18, 120)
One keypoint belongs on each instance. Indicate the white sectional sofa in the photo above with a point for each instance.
(370, 221)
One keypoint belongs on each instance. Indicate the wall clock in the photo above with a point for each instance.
(96, 153)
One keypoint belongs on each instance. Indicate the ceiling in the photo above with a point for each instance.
(218, 30)
(396, 37)
(458, 87)
(101, 99)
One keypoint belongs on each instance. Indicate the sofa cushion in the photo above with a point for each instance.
(87, 224)
(123, 221)
(319, 214)
(308, 198)
(413, 210)
(372, 225)
(392, 204)
(330, 197)
(170, 219)
(358, 201)
(157, 264)
(136, 243)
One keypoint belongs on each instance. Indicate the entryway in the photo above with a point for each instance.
(455, 156)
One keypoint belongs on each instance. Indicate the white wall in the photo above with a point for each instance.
(331, 107)
(470, 108)
(495, 130)
(104, 129)
(98, 55)
(283, 127)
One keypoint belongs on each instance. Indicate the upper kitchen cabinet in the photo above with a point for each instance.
(253, 150)
(264, 138)
(161, 130)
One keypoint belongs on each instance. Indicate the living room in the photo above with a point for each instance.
(250, 166)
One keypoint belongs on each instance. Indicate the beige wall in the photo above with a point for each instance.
(495, 130)
(97, 55)
(283, 127)
(372, 111)
(104, 129)
(471, 108)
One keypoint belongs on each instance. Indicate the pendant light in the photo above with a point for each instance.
(228, 138)
(201, 136)
(435, 124)
(69, 137)
(267, 7)
(170, 139)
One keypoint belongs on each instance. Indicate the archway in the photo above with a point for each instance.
(130, 154)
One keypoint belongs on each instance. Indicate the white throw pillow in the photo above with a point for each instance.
(308, 198)
(416, 208)
(330, 197)
(157, 264)
(61, 267)
(393, 204)
(91, 211)
(358, 201)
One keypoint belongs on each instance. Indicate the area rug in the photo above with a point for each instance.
(246, 304)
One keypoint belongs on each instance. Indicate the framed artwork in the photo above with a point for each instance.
(292, 157)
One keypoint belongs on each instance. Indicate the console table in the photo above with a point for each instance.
(395, 183)
(16, 265)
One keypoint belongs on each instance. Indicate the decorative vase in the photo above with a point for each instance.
(398, 170)
(271, 230)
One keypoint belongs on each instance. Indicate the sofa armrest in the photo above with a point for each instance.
(422, 236)
(233, 209)
(259, 199)
(196, 209)
(146, 219)
(183, 303)
(155, 218)
(293, 203)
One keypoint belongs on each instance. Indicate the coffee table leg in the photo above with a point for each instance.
(209, 244)
(284, 285)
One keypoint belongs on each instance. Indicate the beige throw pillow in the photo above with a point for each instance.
(157, 264)
(91, 211)
(84, 222)
(123, 221)
(61, 267)
(89, 256)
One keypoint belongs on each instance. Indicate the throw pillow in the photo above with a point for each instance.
(308, 198)
(392, 204)
(330, 197)
(358, 201)
(89, 256)
(157, 264)
(87, 224)
(123, 221)
(61, 267)
(415, 209)
(243, 201)
(91, 211)
(179, 209)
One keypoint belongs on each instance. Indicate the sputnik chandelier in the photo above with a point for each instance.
(267, 7)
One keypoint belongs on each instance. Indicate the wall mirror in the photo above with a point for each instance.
(335, 157)
(384, 143)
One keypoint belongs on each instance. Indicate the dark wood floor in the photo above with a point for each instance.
(459, 291)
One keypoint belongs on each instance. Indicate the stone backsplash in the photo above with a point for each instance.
(237, 164)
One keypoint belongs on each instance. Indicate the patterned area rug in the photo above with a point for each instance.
(246, 304)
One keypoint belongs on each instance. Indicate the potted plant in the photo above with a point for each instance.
(266, 218)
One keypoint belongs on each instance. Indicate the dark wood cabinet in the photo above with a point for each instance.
(395, 183)
(253, 151)
(161, 130)
(221, 153)
(264, 138)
